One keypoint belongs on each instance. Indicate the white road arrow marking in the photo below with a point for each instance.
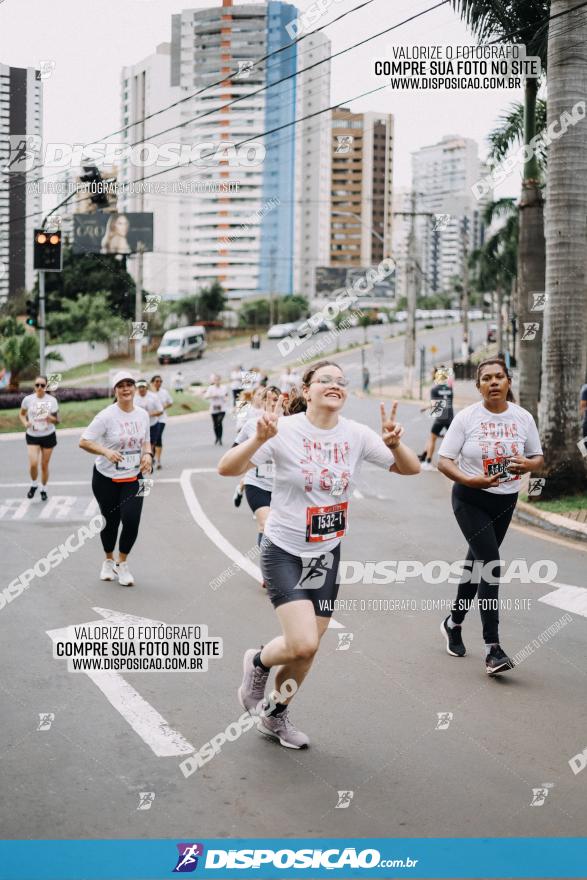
(568, 597)
(152, 728)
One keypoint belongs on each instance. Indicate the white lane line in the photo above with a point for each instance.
(88, 482)
(567, 597)
(153, 729)
(210, 530)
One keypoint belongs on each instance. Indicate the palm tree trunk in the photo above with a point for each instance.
(499, 318)
(531, 260)
(564, 355)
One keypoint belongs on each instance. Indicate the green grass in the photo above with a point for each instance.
(85, 370)
(78, 414)
(561, 505)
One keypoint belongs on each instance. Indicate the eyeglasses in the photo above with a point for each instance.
(331, 380)
(40, 385)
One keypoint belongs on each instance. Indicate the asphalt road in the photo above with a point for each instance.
(371, 710)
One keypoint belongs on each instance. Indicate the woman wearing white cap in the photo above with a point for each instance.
(119, 436)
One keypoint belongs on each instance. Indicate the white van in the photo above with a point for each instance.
(181, 343)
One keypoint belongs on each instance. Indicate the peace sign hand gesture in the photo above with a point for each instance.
(267, 424)
(391, 431)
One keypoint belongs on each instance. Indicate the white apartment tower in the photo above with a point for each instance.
(21, 115)
(146, 89)
(442, 177)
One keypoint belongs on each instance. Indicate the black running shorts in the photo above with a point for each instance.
(289, 578)
(46, 442)
(257, 497)
(440, 425)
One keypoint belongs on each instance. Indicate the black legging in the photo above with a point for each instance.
(483, 518)
(118, 502)
(217, 419)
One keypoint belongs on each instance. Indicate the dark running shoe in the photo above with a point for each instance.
(498, 661)
(454, 639)
(31, 492)
(422, 457)
(238, 496)
(43, 495)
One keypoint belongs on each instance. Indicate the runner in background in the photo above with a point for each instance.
(286, 381)
(217, 394)
(39, 413)
(258, 480)
(236, 383)
(166, 400)
(441, 398)
(486, 450)
(583, 409)
(316, 454)
(152, 405)
(119, 437)
(178, 383)
(249, 406)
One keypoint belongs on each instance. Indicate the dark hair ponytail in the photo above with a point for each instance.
(500, 362)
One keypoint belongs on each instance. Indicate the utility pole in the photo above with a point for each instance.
(139, 303)
(42, 336)
(272, 290)
(412, 284)
(465, 298)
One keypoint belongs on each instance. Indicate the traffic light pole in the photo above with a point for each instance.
(42, 357)
(139, 303)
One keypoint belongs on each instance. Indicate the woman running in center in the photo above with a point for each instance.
(316, 455)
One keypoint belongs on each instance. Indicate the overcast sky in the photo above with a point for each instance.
(90, 42)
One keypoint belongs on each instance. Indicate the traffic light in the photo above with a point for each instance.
(31, 312)
(96, 186)
(47, 254)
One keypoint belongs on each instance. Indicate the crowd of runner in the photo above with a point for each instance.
(297, 458)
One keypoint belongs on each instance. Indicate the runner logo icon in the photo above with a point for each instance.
(315, 569)
(187, 859)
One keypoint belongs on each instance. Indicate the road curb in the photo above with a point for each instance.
(550, 522)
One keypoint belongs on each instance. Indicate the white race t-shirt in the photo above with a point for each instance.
(37, 410)
(150, 403)
(164, 398)
(483, 442)
(217, 395)
(262, 474)
(314, 469)
(126, 432)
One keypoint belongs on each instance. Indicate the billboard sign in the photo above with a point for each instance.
(112, 233)
(331, 279)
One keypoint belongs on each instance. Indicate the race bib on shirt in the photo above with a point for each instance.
(326, 523)
(265, 471)
(40, 424)
(130, 460)
(499, 466)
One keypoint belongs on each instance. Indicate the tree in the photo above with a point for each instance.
(564, 355)
(291, 307)
(19, 354)
(254, 313)
(91, 273)
(495, 262)
(211, 301)
(525, 22)
(88, 318)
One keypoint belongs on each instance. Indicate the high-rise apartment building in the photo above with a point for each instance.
(442, 177)
(20, 191)
(361, 188)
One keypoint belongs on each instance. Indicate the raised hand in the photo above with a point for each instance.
(391, 430)
(267, 424)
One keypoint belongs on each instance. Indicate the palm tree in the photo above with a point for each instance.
(19, 353)
(495, 263)
(564, 356)
(526, 22)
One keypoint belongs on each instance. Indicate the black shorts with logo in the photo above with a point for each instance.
(289, 578)
(46, 442)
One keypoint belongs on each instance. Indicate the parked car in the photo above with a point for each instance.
(181, 343)
(279, 331)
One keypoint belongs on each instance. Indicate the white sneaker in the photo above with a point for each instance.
(108, 571)
(428, 466)
(125, 578)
